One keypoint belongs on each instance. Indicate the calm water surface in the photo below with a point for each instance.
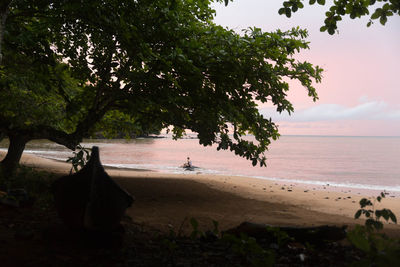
(356, 162)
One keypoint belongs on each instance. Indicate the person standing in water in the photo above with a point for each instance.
(188, 163)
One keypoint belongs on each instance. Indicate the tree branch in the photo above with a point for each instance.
(93, 116)
(60, 137)
(40, 132)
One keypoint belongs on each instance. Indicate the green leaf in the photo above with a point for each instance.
(393, 217)
(312, 2)
(281, 11)
(375, 15)
(216, 225)
(378, 214)
(321, 2)
(365, 202)
(358, 238)
(386, 214)
(358, 214)
(383, 20)
(386, 7)
(288, 12)
(194, 223)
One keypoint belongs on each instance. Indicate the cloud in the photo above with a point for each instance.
(371, 110)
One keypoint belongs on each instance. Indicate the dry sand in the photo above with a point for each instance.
(166, 201)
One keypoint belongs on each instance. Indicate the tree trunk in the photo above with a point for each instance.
(15, 150)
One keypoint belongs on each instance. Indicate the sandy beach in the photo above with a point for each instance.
(168, 201)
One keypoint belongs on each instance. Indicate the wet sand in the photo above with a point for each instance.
(168, 201)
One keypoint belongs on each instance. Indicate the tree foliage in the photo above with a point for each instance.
(69, 63)
(381, 9)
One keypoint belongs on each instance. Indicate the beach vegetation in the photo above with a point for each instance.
(374, 216)
(281, 237)
(69, 68)
(379, 249)
(251, 252)
(245, 247)
(195, 225)
(79, 159)
(146, 246)
(33, 187)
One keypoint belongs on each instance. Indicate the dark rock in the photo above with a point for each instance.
(312, 235)
(90, 199)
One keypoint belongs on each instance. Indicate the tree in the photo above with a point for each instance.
(341, 8)
(352, 8)
(68, 63)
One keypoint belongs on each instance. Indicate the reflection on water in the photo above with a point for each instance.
(352, 161)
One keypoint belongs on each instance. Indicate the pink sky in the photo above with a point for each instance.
(360, 91)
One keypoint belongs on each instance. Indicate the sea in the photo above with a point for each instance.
(365, 163)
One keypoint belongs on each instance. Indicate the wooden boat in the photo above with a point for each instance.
(192, 168)
(187, 167)
(90, 199)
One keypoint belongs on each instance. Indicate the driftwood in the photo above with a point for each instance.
(312, 235)
(90, 199)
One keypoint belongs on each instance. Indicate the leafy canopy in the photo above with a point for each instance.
(382, 9)
(160, 63)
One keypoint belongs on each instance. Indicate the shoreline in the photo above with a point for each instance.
(352, 173)
(355, 189)
(165, 200)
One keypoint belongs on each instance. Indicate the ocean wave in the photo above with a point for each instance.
(162, 168)
(62, 155)
(330, 183)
